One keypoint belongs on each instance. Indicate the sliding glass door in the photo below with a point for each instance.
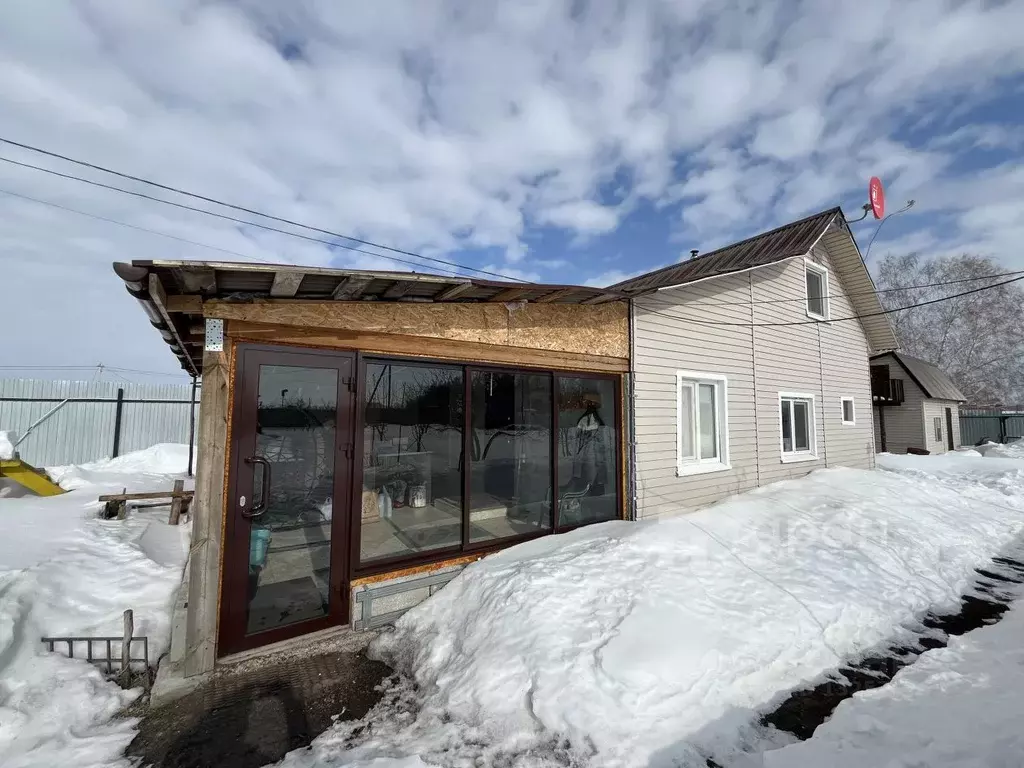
(456, 458)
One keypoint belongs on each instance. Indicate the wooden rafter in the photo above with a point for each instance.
(561, 293)
(453, 292)
(351, 287)
(511, 294)
(286, 284)
(398, 289)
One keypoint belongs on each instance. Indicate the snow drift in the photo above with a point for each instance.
(65, 572)
(661, 643)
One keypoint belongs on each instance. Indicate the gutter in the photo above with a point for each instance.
(146, 288)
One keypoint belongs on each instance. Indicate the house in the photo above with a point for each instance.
(916, 405)
(363, 435)
(750, 364)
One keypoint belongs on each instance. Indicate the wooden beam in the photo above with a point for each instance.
(204, 569)
(286, 284)
(511, 294)
(197, 279)
(398, 289)
(192, 305)
(422, 346)
(158, 297)
(561, 293)
(351, 287)
(454, 291)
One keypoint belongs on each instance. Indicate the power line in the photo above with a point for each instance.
(87, 368)
(183, 206)
(839, 296)
(255, 212)
(129, 226)
(840, 319)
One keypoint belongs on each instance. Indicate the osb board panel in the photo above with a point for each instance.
(421, 346)
(415, 570)
(600, 329)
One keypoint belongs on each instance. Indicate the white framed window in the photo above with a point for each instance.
(848, 410)
(796, 427)
(937, 424)
(816, 280)
(702, 422)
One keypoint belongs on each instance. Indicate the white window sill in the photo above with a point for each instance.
(685, 470)
(849, 423)
(820, 318)
(795, 458)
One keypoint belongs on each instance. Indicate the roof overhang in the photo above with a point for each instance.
(172, 292)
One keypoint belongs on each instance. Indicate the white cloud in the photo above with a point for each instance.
(467, 125)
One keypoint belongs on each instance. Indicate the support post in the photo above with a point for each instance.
(126, 649)
(118, 415)
(177, 502)
(881, 428)
(207, 516)
(192, 426)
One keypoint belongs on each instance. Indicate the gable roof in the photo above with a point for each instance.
(794, 239)
(933, 382)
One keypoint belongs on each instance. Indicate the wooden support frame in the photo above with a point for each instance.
(351, 288)
(286, 284)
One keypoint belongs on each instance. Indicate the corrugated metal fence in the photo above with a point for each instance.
(995, 424)
(101, 420)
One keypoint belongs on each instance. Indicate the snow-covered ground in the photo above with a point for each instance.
(65, 572)
(662, 643)
(955, 707)
(7, 441)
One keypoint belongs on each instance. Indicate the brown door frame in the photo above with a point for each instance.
(949, 429)
(232, 636)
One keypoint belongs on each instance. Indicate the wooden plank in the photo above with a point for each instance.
(176, 493)
(192, 305)
(351, 287)
(558, 295)
(511, 294)
(286, 284)
(197, 279)
(207, 517)
(420, 346)
(601, 330)
(126, 649)
(453, 292)
(398, 289)
(177, 503)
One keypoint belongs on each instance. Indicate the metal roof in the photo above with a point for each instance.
(789, 240)
(932, 381)
(152, 282)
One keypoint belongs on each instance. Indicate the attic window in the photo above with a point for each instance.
(817, 290)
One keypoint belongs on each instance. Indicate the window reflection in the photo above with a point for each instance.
(587, 443)
(412, 448)
(510, 478)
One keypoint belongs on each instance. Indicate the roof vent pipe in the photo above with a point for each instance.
(693, 253)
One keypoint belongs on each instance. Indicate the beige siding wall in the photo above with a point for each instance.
(936, 409)
(904, 424)
(825, 361)
(664, 343)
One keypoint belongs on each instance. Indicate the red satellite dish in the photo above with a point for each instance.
(877, 197)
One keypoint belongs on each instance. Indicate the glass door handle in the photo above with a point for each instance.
(260, 507)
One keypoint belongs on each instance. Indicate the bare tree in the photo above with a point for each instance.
(977, 339)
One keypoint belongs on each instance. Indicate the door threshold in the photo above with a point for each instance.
(340, 639)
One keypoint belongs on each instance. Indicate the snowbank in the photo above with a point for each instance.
(7, 441)
(661, 643)
(1013, 450)
(65, 572)
(955, 707)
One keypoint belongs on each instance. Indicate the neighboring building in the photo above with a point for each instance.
(363, 435)
(917, 406)
(750, 364)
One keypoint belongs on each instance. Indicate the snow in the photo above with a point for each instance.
(63, 571)
(662, 642)
(1013, 450)
(956, 707)
(7, 441)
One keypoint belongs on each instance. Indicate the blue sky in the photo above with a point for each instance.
(554, 141)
